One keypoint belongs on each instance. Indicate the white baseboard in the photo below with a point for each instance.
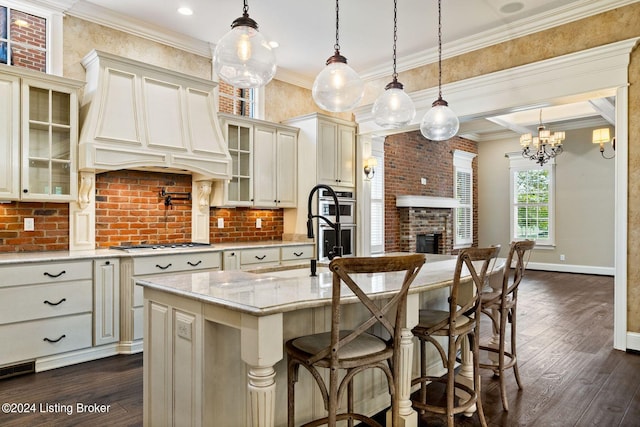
(572, 268)
(633, 341)
(73, 357)
(130, 347)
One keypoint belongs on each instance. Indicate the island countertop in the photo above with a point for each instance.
(282, 291)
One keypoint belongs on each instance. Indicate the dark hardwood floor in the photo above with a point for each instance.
(570, 372)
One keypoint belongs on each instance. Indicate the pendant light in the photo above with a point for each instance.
(338, 87)
(243, 58)
(440, 123)
(394, 108)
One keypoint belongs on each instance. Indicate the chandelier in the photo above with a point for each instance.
(543, 147)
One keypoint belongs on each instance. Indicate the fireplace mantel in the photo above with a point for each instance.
(426, 202)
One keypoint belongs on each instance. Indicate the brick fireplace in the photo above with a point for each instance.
(424, 215)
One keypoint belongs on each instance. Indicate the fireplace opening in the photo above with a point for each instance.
(428, 243)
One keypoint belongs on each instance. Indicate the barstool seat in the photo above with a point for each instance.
(459, 323)
(501, 307)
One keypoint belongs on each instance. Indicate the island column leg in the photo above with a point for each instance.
(261, 348)
(408, 416)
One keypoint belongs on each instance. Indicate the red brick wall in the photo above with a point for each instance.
(51, 227)
(129, 209)
(32, 34)
(410, 157)
(240, 225)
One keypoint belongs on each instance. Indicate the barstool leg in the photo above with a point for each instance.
(513, 347)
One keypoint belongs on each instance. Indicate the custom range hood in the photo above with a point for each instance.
(139, 116)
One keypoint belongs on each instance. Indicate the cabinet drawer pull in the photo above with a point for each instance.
(193, 265)
(163, 268)
(298, 253)
(260, 257)
(54, 341)
(55, 303)
(53, 276)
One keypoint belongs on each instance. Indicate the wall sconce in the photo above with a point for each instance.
(369, 167)
(602, 136)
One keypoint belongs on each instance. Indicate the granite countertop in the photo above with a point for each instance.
(47, 256)
(288, 290)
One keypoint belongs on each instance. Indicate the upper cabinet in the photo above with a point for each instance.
(264, 159)
(141, 116)
(38, 136)
(328, 147)
(336, 153)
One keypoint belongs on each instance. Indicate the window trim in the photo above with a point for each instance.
(54, 31)
(462, 162)
(517, 163)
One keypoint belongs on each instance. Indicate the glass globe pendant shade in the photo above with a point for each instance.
(338, 87)
(440, 123)
(394, 108)
(243, 57)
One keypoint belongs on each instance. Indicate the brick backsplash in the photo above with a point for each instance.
(51, 227)
(129, 209)
(240, 225)
(408, 158)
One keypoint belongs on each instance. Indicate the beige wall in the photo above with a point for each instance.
(282, 99)
(584, 201)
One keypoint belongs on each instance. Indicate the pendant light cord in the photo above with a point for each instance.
(337, 45)
(439, 49)
(395, 37)
(245, 8)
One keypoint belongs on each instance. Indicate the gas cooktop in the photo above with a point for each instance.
(160, 246)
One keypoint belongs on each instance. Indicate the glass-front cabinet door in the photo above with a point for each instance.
(49, 141)
(240, 142)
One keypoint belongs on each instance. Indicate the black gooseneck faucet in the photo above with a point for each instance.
(337, 249)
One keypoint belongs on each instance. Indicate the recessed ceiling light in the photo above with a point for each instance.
(185, 11)
(512, 7)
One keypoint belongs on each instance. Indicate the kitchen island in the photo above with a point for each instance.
(213, 348)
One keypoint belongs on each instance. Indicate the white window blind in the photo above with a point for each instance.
(463, 192)
(377, 206)
(532, 201)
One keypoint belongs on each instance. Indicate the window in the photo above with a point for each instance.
(532, 201)
(23, 39)
(377, 205)
(463, 192)
(233, 100)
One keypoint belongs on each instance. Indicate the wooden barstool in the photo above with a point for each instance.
(354, 350)
(500, 305)
(460, 322)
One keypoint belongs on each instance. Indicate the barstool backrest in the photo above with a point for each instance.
(517, 259)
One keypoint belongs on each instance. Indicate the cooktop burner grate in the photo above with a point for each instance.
(167, 245)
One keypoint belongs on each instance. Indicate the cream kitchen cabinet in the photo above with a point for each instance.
(332, 142)
(274, 167)
(131, 298)
(259, 257)
(45, 310)
(39, 118)
(264, 159)
(296, 254)
(106, 301)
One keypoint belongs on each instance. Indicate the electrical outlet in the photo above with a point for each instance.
(423, 181)
(29, 224)
(220, 222)
(258, 222)
(562, 257)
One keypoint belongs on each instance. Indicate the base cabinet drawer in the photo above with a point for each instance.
(38, 338)
(295, 253)
(259, 256)
(22, 303)
(176, 262)
(31, 274)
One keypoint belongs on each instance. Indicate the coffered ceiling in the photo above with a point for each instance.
(305, 33)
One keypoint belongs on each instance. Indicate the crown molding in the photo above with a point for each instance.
(516, 29)
(103, 16)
